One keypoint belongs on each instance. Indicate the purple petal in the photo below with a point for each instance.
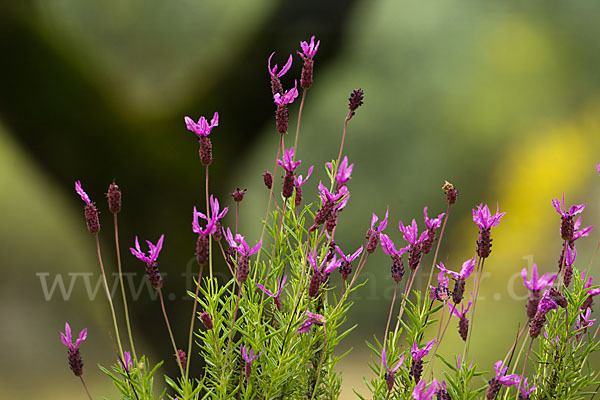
(574, 210)
(387, 244)
(81, 338)
(82, 193)
(286, 67)
(262, 287)
(384, 360)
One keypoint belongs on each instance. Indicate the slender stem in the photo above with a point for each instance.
(439, 338)
(320, 362)
(524, 365)
(225, 259)
(123, 286)
(298, 124)
(189, 351)
(237, 216)
(110, 303)
(406, 293)
(210, 272)
(387, 326)
(233, 318)
(337, 164)
(514, 346)
(437, 249)
(162, 304)
(85, 387)
(478, 274)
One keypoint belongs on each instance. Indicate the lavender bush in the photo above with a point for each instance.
(271, 331)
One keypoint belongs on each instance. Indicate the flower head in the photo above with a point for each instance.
(67, 339)
(344, 171)
(383, 224)
(388, 246)
(287, 97)
(537, 283)
(546, 304)
(384, 360)
(309, 50)
(525, 389)
(284, 70)
(82, 193)
(433, 223)
(466, 270)
(311, 319)
(239, 243)
(411, 233)
(463, 310)
(560, 208)
(417, 354)
(484, 218)
(127, 362)
(439, 292)
(202, 128)
(152, 254)
(300, 181)
(506, 380)
(279, 285)
(420, 392)
(349, 258)
(249, 355)
(288, 162)
(583, 322)
(581, 232)
(342, 196)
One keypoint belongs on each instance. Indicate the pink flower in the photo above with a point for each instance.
(127, 362)
(411, 233)
(276, 295)
(383, 224)
(284, 70)
(581, 232)
(384, 360)
(337, 200)
(463, 310)
(422, 393)
(344, 171)
(211, 226)
(560, 208)
(288, 162)
(82, 193)
(417, 354)
(311, 319)
(153, 253)
(583, 322)
(506, 380)
(300, 181)
(466, 270)
(388, 246)
(525, 389)
(309, 50)
(433, 223)
(202, 128)
(536, 283)
(239, 243)
(483, 217)
(351, 258)
(287, 97)
(67, 339)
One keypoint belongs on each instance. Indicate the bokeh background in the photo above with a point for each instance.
(500, 98)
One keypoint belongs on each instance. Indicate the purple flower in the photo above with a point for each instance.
(67, 339)
(388, 246)
(309, 50)
(239, 243)
(276, 295)
(598, 168)
(433, 223)
(417, 354)
(466, 270)
(288, 162)
(300, 181)
(333, 198)
(588, 285)
(284, 70)
(422, 393)
(583, 322)
(82, 193)
(153, 253)
(127, 362)
(546, 304)
(344, 171)
(439, 292)
(484, 218)
(537, 283)
(463, 311)
(211, 226)
(581, 232)
(525, 389)
(560, 208)
(249, 356)
(287, 97)
(411, 233)
(502, 378)
(202, 128)
(383, 224)
(215, 211)
(384, 360)
(350, 258)
(311, 319)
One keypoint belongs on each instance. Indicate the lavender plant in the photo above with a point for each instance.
(273, 329)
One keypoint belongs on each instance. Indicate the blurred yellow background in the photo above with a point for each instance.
(501, 99)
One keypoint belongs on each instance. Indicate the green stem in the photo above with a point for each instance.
(189, 352)
(85, 387)
(162, 304)
(298, 124)
(110, 303)
(478, 274)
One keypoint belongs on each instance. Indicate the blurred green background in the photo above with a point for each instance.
(502, 99)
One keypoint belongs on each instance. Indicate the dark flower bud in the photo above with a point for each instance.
(427, 245)
(390, 378)
(202, 250)
(532, 304)
(154, 275)
(218, 235)
(372, 241)
(559, 298)
(306, 77)
(181, 358)
(75, 361)
(288, 185)
(568, 275)
(238, 194)
(567, 227)
(91, 218)
(276, 85)
(441, 293)
(114, 198)
(416, 370)
(331, 221)
(537, 323)
(330, 251)
(397, 268)
(493, 389)
(451, 192)
(484, 243)
(459, 290)
(356, 100)
(248, 369)
(230, 257)
(463, 327)
(243, 268)
(205, 151)
(268, 179)
(315, 284)
(414, 256)
(298, 198)
(206, 320)
(442, 394)
(345, 269)
(282, 116)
